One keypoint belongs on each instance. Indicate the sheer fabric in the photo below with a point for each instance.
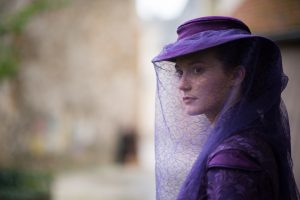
(184, 143)
(178, 138)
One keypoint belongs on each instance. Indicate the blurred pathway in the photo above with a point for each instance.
(105, 183)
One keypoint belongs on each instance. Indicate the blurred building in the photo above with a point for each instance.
(76, 85)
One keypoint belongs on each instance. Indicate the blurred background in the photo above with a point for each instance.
(77, 90)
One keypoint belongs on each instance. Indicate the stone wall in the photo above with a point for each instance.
(290, 58)
(77, 81)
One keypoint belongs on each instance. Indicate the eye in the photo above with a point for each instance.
(197, 70)
(179, 73)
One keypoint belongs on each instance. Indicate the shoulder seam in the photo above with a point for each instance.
(234, 159)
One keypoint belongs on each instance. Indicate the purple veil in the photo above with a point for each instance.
(183, 142)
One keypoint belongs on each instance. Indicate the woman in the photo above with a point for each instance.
(222, 130)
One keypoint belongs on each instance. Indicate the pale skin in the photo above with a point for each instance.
(205, 86)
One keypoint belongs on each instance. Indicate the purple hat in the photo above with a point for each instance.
(202, 33)
(184, 143)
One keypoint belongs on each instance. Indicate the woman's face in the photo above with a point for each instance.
(204, 86)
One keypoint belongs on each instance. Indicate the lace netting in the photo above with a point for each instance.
(179, 137)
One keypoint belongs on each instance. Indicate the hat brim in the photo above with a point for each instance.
(202, 41)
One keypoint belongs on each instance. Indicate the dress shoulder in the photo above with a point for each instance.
(245, 150)
(242, 167)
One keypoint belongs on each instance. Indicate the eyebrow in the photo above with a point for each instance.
(192, 62)
(197, 61)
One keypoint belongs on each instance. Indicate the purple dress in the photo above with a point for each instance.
(242, 167)
(234, 163)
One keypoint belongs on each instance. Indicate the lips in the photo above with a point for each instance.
(188, 100)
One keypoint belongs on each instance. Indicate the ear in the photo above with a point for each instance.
(238, 75)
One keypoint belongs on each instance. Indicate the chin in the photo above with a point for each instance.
(193, 111)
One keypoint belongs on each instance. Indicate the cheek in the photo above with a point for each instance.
(215, 91)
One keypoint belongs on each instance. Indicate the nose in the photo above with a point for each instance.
(184, 83)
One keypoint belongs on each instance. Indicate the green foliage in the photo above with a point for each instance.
(17, 22)
(13, 26)
(8, 62)
(23, 184)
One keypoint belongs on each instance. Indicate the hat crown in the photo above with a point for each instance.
(209, 23)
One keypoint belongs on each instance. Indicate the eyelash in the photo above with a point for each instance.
(178, 73)
(195, 70)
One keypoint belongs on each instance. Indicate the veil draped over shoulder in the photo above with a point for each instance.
(183, 142)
